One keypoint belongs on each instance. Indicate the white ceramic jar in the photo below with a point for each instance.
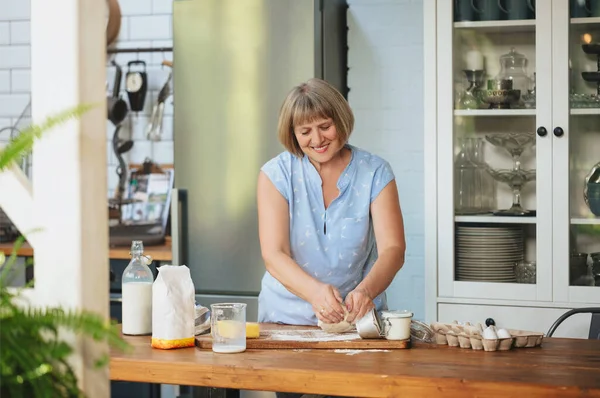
(396, 324)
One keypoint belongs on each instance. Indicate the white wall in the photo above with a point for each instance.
(386, 92)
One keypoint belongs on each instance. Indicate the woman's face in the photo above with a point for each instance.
(319, 140)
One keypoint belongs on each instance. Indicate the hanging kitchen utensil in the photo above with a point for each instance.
(116, 107)
(136, 85)
(113, 23)
(154, 130)
(120, 147)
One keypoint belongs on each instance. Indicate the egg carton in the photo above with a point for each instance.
(472, 336)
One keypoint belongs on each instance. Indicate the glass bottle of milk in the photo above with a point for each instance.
(137, 293)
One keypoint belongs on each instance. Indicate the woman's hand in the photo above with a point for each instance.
(358, 303)
(327, 304)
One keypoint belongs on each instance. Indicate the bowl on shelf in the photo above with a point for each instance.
(500, 99)
(591, 190)
(591, 48)
(593, 198)
(591, 76)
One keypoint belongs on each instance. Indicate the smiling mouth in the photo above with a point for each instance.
(320, 149)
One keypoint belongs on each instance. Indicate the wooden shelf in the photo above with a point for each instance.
(496, 219)
(585, 221)
(585, 21)
(158, 253)
(585, 111)
(523, 25)
(494, 112)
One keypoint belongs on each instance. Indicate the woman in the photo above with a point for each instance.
(330, 225)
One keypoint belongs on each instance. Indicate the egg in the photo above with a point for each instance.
(503, 334)
(489, 334)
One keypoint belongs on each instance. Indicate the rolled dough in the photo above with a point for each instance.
(340, 327)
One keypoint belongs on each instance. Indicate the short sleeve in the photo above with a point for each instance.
(279, 172)
(383, 175)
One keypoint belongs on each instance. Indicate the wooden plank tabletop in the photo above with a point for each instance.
(158, 253)
(561, 367)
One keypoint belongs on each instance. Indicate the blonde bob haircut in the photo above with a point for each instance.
(312, 100)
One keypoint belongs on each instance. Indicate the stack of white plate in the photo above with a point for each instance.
(488, 253)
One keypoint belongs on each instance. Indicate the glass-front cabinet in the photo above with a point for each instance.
(518, 150)
(576, 148)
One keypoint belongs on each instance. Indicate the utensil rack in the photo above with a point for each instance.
(140, 50)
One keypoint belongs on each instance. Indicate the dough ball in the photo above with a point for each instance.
(340, 327)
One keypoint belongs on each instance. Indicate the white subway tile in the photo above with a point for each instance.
(162, 6)
(136, 7)
(5, 135)
(4, 33)
(21, 80)
(112, 178)
(15, 57)
(157, 77)
(24, 122)
(123, 30)
(110, 156)
(167, 128)
(11, 105)
(140, 151)
(162, 152)
(110, 129)
(157, 58)
(4, 81)
(155, 27)
(20, 32)
(11, 10)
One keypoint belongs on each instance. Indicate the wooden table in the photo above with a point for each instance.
(158, 253)
(561, 367)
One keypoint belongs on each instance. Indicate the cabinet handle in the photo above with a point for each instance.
(558, 132)
(542, 131)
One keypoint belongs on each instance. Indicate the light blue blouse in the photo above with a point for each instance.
(335, 245)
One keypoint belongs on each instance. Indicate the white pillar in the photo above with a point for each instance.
(68, 58)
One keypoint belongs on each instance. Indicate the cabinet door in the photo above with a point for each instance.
(576, 146)
(494, 170)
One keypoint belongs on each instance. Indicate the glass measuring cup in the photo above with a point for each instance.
(228, 327)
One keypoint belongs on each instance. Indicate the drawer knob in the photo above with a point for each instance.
(542, 131)
(490, 322)
(558, 132)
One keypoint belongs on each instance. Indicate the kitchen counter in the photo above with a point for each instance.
(561, 367)
(158, 253)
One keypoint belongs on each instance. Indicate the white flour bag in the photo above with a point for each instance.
(173, 308)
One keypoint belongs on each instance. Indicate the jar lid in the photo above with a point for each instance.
(396, 314)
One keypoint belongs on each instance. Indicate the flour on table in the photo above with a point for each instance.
(354, 352)
(308, 335)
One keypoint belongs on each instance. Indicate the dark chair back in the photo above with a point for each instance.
(594, 324)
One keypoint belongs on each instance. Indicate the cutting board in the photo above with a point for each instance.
(274, 336)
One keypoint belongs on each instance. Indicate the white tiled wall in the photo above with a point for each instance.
(386, 92)
(385, 78)
(145, 23)
(14, 63)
